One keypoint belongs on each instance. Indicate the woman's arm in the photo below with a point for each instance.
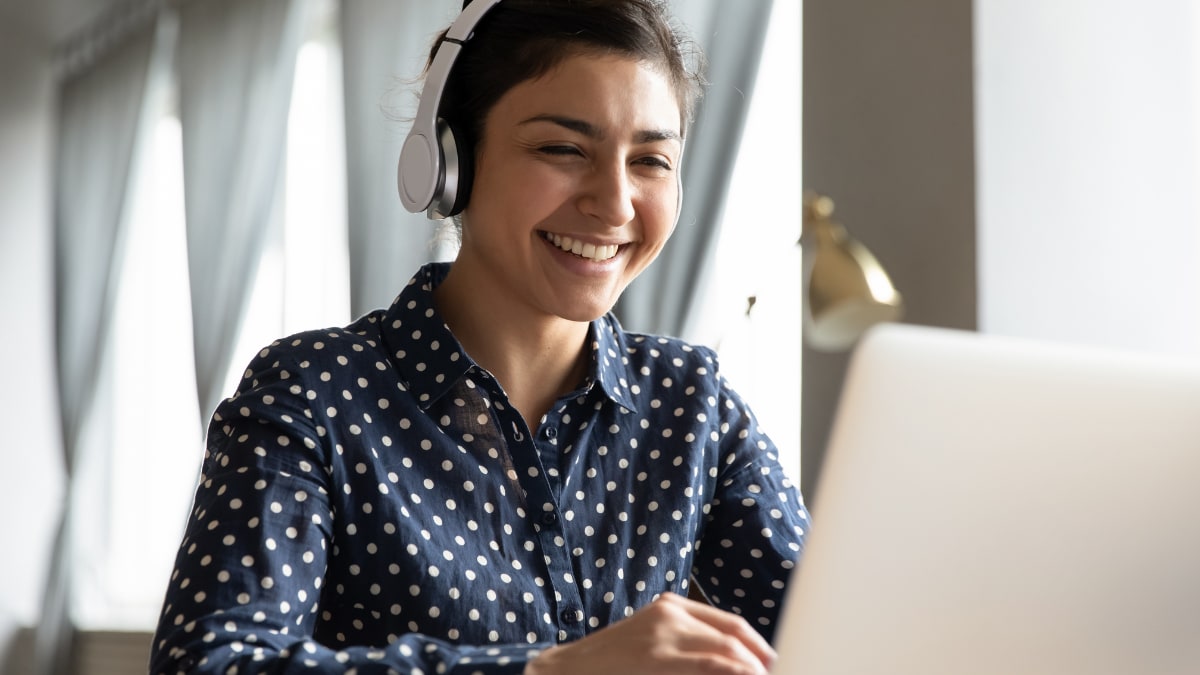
(249, 592)
(756, 524)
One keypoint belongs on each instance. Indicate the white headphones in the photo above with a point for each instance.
(435, 164)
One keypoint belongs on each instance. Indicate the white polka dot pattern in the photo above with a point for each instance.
(370, 503)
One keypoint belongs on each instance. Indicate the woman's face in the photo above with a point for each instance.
(576, 187)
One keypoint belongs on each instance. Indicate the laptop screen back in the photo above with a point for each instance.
(993, 505)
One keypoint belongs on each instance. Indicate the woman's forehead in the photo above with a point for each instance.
(600, 90)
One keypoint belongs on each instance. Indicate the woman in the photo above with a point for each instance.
(491, 476)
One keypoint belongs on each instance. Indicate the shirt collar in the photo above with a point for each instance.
(425, 353)
(430, 359)
(609, 362)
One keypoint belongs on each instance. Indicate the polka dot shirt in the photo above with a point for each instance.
(370, 503)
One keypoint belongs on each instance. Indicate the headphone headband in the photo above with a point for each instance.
(432, 161)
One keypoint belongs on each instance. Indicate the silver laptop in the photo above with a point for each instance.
(994, 505)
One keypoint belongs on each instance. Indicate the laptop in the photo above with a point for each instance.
(997, 505)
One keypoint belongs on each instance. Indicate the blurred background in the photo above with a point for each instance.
(182, 182)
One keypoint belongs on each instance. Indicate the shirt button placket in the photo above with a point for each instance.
(549, 526)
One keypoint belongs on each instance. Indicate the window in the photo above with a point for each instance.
(156, 446)
(157, 437)
(303, 280)
(759, 342)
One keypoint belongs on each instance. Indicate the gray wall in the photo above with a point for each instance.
(889, 135)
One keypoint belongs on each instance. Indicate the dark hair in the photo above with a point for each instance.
(519, 40)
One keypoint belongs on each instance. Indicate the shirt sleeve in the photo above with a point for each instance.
(757, 521)
(246, 592)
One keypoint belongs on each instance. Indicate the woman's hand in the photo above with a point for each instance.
(672, 635)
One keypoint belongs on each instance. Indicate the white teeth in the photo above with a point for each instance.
(581, 249)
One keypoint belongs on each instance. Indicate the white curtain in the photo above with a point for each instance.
(236, 65)
(663, 299)
(384, 47)
(102, 121)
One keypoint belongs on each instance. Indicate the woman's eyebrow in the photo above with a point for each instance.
(652, 135)
(592, 131)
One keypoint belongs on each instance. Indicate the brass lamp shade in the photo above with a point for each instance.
(846, 289)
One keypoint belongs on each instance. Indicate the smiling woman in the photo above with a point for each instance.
(492, 475)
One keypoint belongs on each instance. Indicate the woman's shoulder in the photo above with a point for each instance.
(361, 338)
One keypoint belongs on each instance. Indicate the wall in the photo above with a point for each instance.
(889, 135)
(31, 480)
(1089, 171)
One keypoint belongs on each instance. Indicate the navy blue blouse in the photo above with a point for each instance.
(370, 503)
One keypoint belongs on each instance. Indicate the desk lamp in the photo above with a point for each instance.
(846, 289)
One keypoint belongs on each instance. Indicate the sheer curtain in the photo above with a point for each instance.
(664, 298)
(236, 65)
(384, 47)
(101, 123)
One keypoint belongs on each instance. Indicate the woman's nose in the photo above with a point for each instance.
(608, 195)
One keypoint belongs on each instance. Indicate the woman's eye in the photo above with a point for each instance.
(558, 150)
(656, 162)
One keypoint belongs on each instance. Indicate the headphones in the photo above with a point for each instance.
(435, 163)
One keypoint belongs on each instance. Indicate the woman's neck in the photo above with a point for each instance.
(537, 358)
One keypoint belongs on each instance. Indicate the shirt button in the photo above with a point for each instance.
(571, 616)
(551, 433)
(549, 518)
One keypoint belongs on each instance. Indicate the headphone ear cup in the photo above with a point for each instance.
(457, 171)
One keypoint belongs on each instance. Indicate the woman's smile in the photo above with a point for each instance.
(582, 249)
